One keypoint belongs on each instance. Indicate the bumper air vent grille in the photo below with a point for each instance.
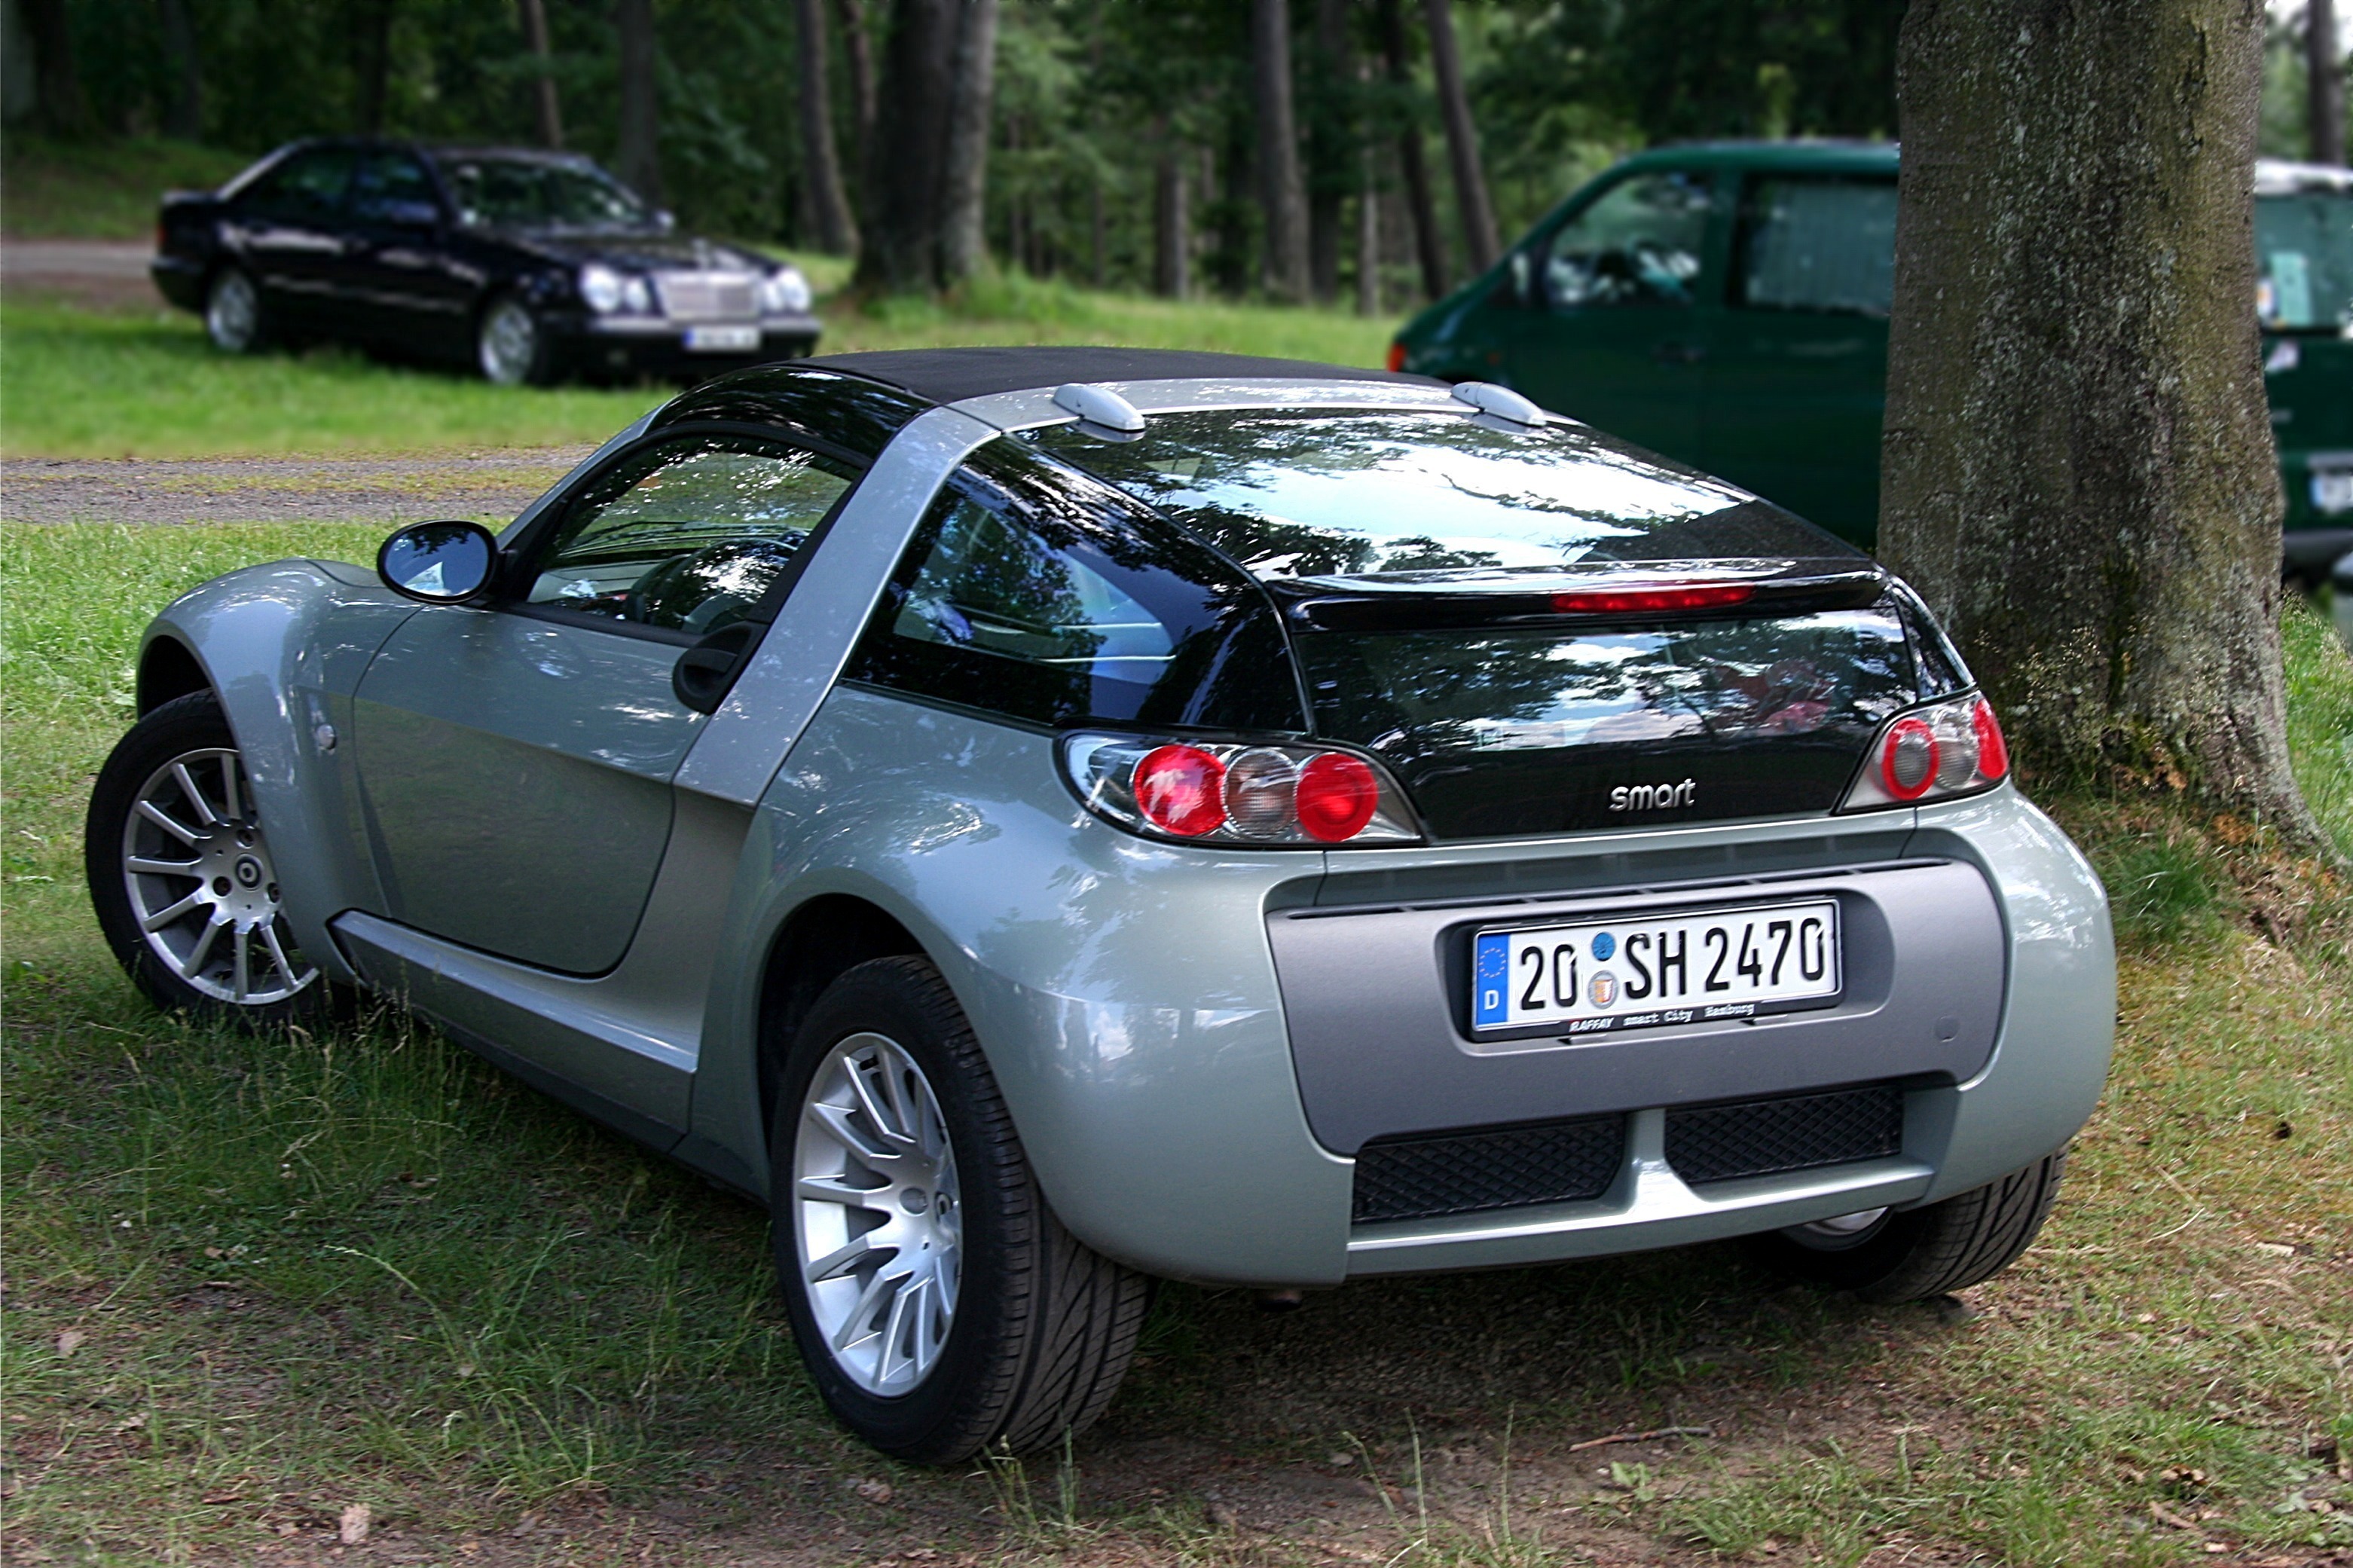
(1759, 1138)
(1464, 1173)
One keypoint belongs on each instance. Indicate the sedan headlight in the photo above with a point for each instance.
(783, 292)
(601, 287)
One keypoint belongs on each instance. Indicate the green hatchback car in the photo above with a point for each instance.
(1725, 305)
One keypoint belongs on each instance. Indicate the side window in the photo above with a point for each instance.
(1817, 245)
(1640, 242)
(687, 537)
(306, 188)
(1035, 592)
(393, 187)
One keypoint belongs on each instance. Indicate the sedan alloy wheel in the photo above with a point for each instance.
(233, 313)
(508, 347)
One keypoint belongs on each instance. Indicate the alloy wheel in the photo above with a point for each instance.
(233, 313)
(202, 886)
(509, 344)
(877, 1213)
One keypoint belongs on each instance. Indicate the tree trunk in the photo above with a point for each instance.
(546, 112)
(1480, 245)
(59, 105)
(850, 14)
(183, 114)
(1172, 227)
(828, 204)
(1280, 192)
(2325, 90)
(1368, 237)
(638, 158)
(903, 239)
(963, 242)
(1428, 247)
(1332, 140)
(2078, 471)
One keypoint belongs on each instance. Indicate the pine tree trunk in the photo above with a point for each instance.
(2324, 90)
(184, 114)
(371, 41)
(1282, 192)
(1368, 237)
(638, 158)
(903, 231)
(851, 15)
(1172, 225)
(1480, 245)
(59, 105)
(1429, 247)
(2078, 470)
(963, 242)
(546, 112)
(1332, 142)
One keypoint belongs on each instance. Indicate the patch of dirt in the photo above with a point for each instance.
(489, 485)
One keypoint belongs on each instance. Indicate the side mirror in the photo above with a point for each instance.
(438, 563)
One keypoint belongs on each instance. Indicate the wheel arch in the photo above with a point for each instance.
(817, 942)
(168, 670)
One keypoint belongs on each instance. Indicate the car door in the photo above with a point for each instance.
(405, 293)
(1619, 338)
(515, 758)
(288, 231)
(1798, 374)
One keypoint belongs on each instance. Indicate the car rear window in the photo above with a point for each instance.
(2304, 252)
(1036, 591)
(1430, 498)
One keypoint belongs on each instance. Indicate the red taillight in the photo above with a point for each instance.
(1396, 358)
(1993, 752)
(1908, 758)
(1337, 795)
(1665, 597)
(1181, 790)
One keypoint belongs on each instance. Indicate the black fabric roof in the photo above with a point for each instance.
(950, 375)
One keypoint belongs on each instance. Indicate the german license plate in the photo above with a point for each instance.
(722, 340)
(1644, 971)
(2332, 489)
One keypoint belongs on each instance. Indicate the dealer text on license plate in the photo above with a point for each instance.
(1642, 972)
(2332, 489)
(722, 340)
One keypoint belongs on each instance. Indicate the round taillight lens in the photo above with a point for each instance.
(1260, 785)
(1337, 795)
(1993, 752)
(1956, 749)
(1908, 762)
(1181, 790)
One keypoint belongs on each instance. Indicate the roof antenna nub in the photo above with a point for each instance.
(1498, 402)
(1101, 412)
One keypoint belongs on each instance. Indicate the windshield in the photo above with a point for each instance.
(2304, 250)
(520, 193)
(1429, 497)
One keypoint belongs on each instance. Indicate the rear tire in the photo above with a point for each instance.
(1040, 1328)
(234, 318)
(1913, 1254)
(509, 345)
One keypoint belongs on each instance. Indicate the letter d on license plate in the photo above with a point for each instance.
(1647, 971)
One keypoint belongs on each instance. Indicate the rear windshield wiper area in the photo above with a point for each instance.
(1627, 593)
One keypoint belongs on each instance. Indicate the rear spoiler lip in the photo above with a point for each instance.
(1314, 605)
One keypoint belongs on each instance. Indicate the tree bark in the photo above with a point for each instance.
(1281, 194)
(2078, 471)
(1480, 246)
(1332, 143)
(903, 239)
(1172, 227)
(184, 112)
(1428, 247)
(59, 105)
(638, 158)
(837, 231)
(2324, 88)
(851, 16)
(546, 112)
(1368, 237)
(963, 242)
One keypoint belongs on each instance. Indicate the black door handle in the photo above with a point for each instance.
(703, 673)
(1679, 353)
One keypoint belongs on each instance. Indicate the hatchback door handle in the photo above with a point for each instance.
(1679, 353)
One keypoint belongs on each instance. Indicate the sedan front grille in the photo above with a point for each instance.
(1798, 1132)
(1499, 1168)
(709, 295)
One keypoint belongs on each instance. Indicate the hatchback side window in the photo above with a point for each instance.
(306, 188)
(1824, 245)
(393, 187)
(688, 537)
(1640, 242)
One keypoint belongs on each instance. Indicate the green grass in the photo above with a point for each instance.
(79, 383)
(357, 1267)
(99, 190)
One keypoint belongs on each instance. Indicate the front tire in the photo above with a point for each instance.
(510, 346)
(181, 876)
(940, 1306)
(1911, 1254)
(234, 318)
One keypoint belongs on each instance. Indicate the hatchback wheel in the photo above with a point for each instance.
(233, 317)
(181, 875)
(1886, 1254)
(939, 1305)
(508, 345)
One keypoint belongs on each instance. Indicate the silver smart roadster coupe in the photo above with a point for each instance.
(1043, 819)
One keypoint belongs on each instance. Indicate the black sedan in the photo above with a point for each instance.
(529, 266)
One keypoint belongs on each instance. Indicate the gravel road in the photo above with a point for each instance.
(488, 486)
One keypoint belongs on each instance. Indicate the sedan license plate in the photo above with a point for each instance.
(1640, 972)
(2332, 489)
(722, 340)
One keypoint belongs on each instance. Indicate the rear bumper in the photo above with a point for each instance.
(180, 279)
(2311, 552)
